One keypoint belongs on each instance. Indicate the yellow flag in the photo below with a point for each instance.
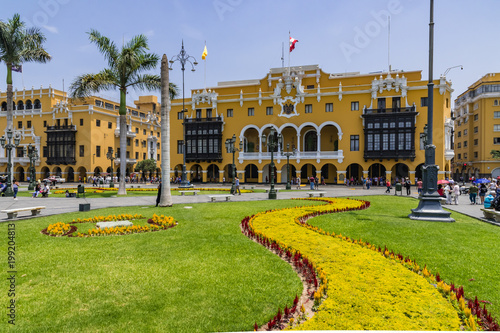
(204, 55)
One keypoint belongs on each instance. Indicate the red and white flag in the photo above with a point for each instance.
(292, 43)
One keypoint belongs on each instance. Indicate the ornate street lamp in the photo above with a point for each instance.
(32, 153)
(183, 58)
(231, 149)
(288, 154)
(429, 207)
(272, 144)
(111, 157)
(7, 144)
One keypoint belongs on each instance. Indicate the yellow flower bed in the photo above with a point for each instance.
(58, 229)
(364, 290)
(107, 189)
(164, 221)
(108, 218)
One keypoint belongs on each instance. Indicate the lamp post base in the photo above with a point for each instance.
(111, 184)
(429, 209)
(9, 192)
(288, 186)
(184, 184)
(272, 194)
(31, 186)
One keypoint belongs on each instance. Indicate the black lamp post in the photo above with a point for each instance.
(231, 149)
(288, 154)
(9, 144)
(32, 154)
(111, 157)
(183, 58)
(272, 144)
(429, 207)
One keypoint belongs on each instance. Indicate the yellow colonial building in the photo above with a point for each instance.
(73, 136)
(346, 125)
(477, 129)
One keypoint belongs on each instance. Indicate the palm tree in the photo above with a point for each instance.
(166, 195)
(124, 71)
(18, 45)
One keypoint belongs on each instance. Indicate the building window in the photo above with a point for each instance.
(98, 123)
(459, 156)
(269, 111)
(229, 112)
(209, 113)
(354, 142)
(496, 141)
(81, 122)
(128, 142)
(423, 101)
(144, 132)
(137, 130)
(476, 142)
(19, 124)
(98, 151)
(465, 156)
(496, 128)
(465, 144)
(459, 145)
(28, 124)
(476, 117)
(496, 114)
(251, 112)
(136, 155)
(180, 115)
(137, 142)
(82, 151)
(475, 154)
(459, 134)
(179, 147)
(447, 103)
(329, 107)
(143, 156)
(198, 113)
(45, 123)
(110, 124)
(355, 106)
(476, 129)
(495, 102)
(308, 108)
(465, 132)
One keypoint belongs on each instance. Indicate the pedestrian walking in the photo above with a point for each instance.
(456, 193)
(298, 183)
(311, 182)
(408, 186)
(473, 194)
(237, 186)
(388, 184)
(15, 188)
(158, 196)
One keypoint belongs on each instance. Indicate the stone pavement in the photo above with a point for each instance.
(65, 205)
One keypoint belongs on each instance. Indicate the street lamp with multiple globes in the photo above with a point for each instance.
(111, 157)
(183, 58)
(288, 154)
(9, 145)
(272, 144)
(32, 154)
(231, 149)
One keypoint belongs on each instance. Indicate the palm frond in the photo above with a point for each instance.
(88, 84)
(105, 46)
(145, 81)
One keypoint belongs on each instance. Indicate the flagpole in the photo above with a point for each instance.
(205, 69)
(289, 36)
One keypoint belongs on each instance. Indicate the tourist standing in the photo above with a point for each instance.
(482, 193)
(388, 184)
(311, 182)
(420, 185)
(15, 188)
(158, 196)
(447, 192)
(298, 183)
(408, 186)
(473, 193)
(456, 193)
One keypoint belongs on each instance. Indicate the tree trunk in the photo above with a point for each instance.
(166, 196)
(123, 142)
(10, 94)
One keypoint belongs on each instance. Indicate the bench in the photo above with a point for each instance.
(112, 224)
(316, 193)
(250, 187)
(215, 196)
(491, 214)
(12, 213)
(192, 191)
(45, 195)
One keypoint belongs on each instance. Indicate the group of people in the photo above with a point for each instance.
(451, 191)
(41, 190)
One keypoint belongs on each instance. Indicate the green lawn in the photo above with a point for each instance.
(202, 275)
(466, 252)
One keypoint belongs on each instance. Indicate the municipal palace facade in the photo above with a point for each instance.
(333, 125)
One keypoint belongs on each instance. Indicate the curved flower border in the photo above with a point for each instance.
(470, 311)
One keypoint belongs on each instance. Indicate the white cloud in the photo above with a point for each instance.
(52, 29)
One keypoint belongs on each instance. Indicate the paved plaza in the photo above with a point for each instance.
(65, 205)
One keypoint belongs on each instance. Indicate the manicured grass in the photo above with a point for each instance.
(202, 275)
(466, 252)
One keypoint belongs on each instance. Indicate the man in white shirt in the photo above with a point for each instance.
(447, 192)
(456, 193)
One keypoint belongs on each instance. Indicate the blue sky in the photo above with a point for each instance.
(244, 37)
